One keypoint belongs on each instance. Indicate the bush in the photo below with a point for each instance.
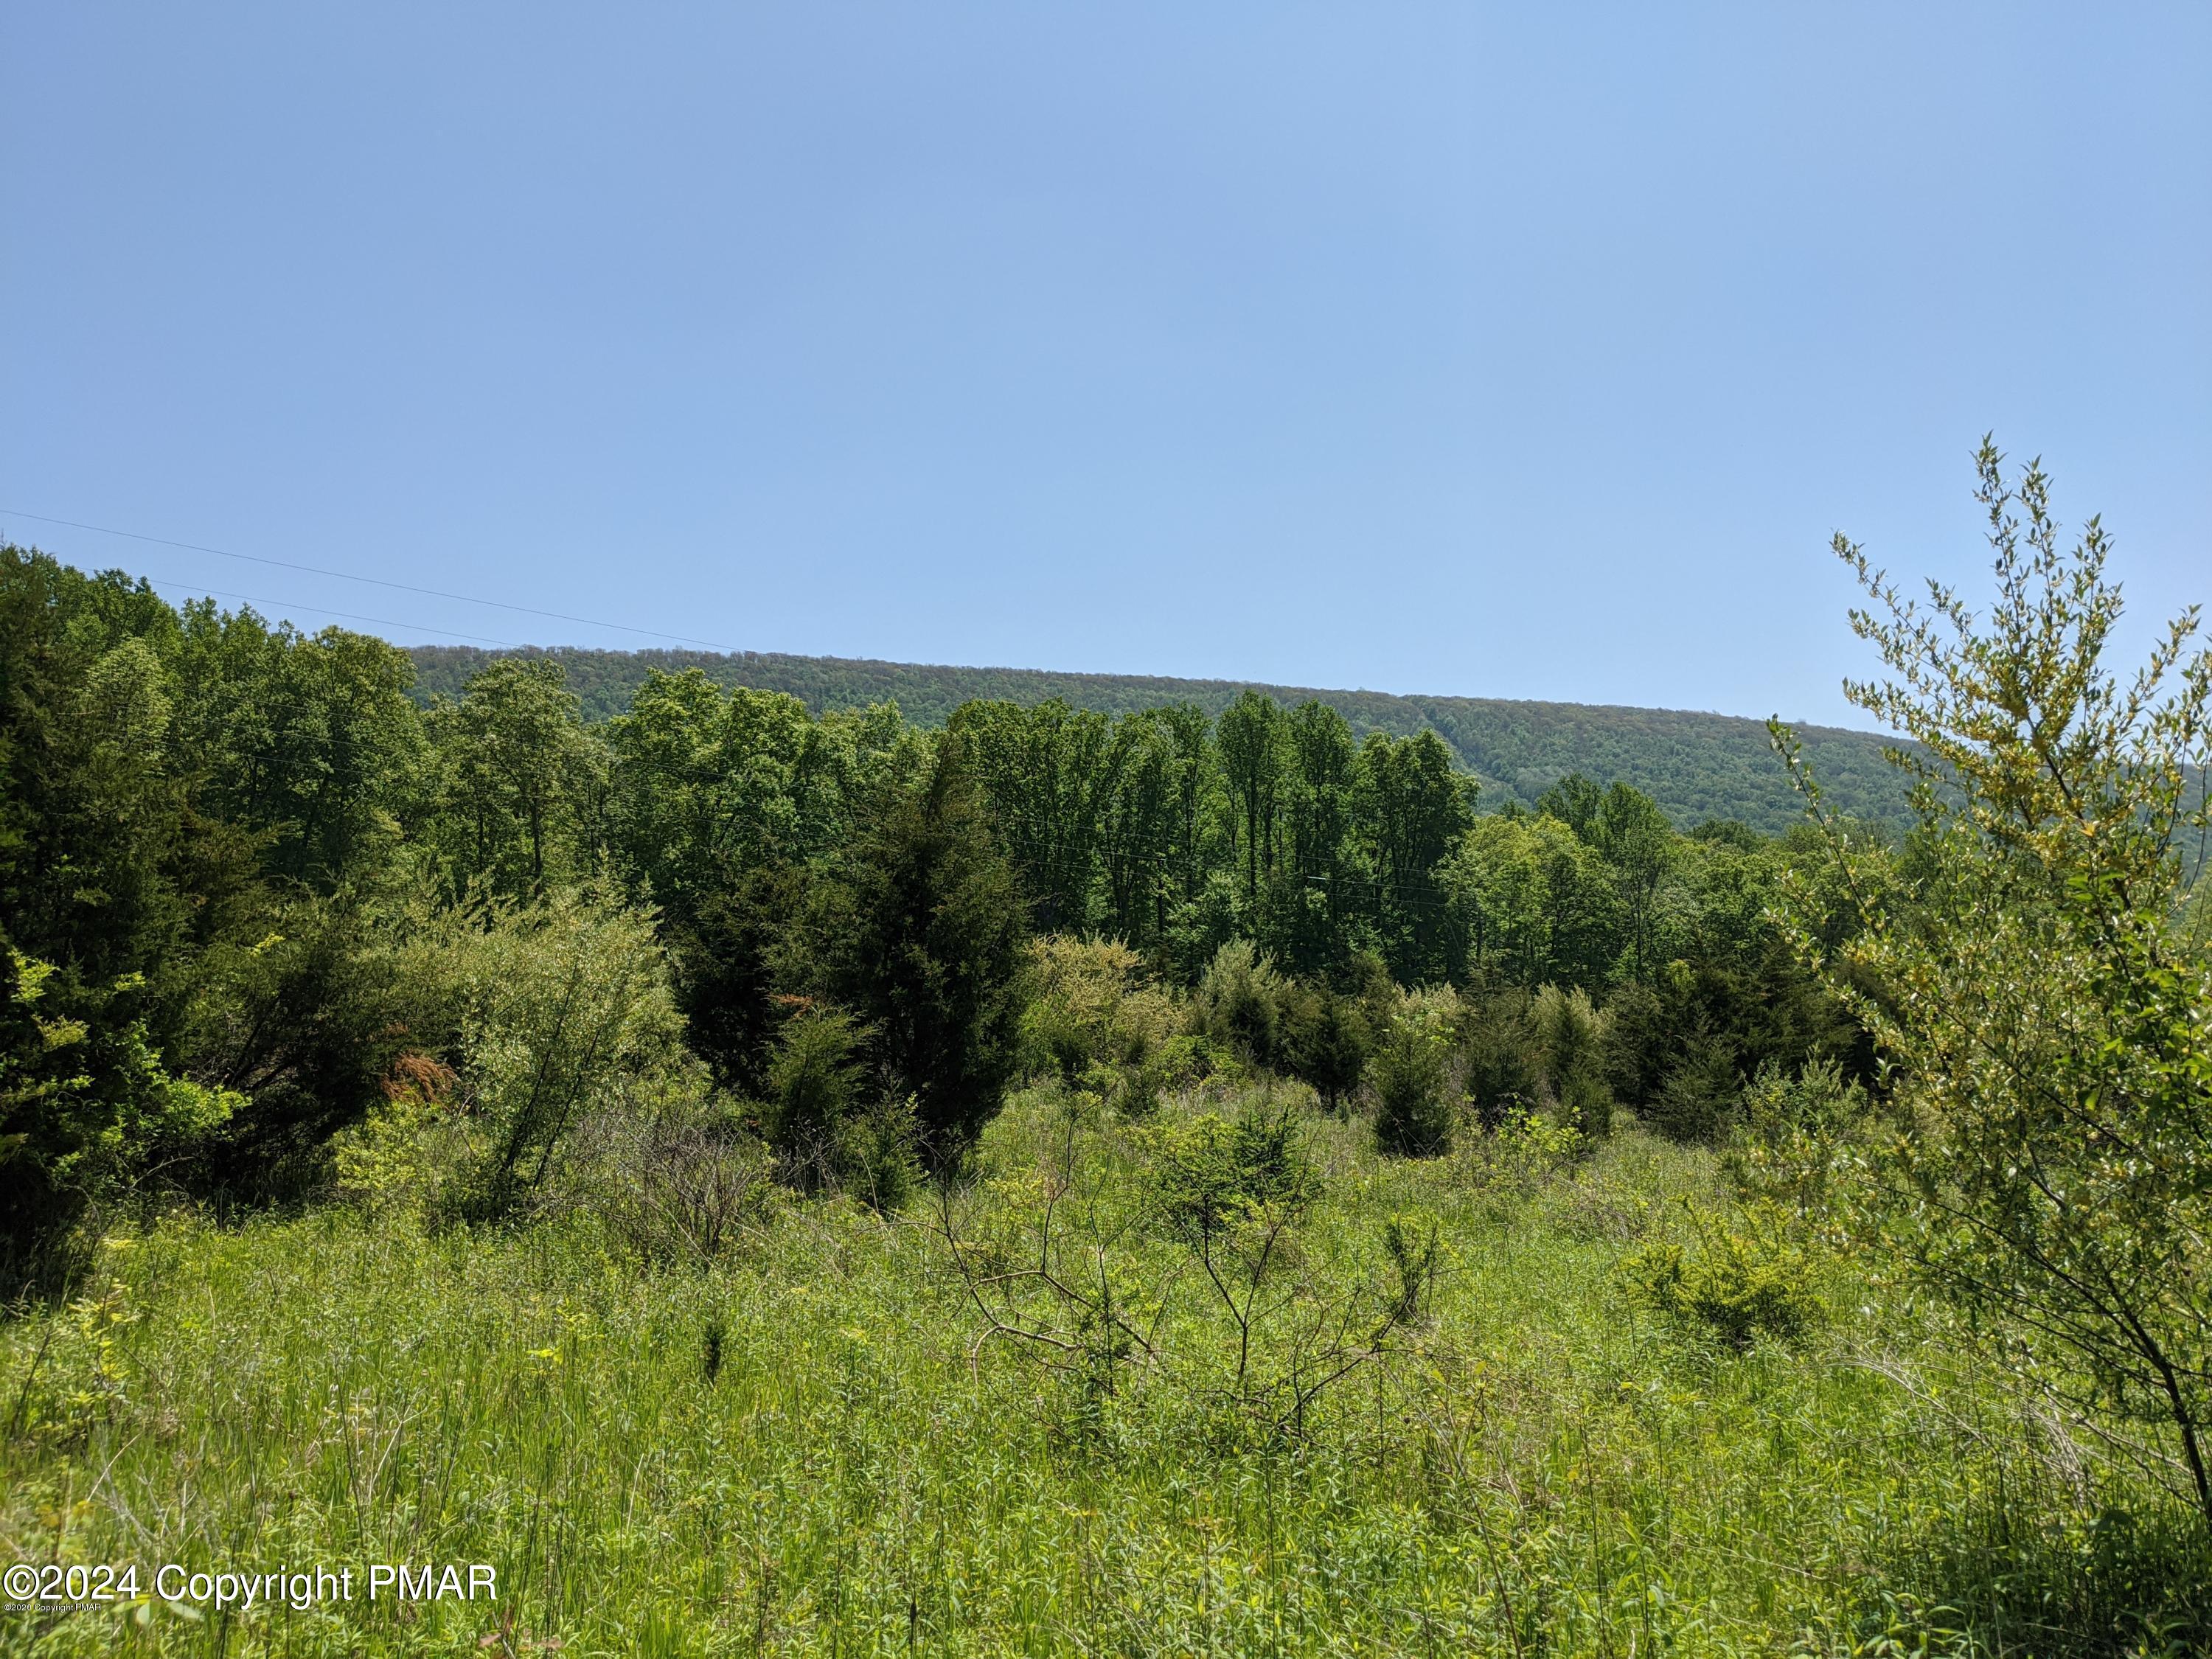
(1239, 1003)
(920, 932)
(674, 1169)
(1794, 1131)
(1734, 1286)
(86, 1106)
(830, 1127)
(547, 1007)
(1330, 1044)
(1641, 1039)
(1410, 1078)
(1091, 1007)
(1503, 1060)
(1818, 1100)
(1209, 1175)
(1570, 1036)
(401, 1156)
(1699, 1093)
(306, 1024)
(725, 959)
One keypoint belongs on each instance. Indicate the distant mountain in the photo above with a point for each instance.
(1696, 766)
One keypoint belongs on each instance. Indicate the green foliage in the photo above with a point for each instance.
(305, 1023)
(1537, 903)
(311, 744)
(1212, 1176)
(557, 1002)
(518, 779)
(1239, 1004)
(86, 1105)
(1697, 767)
(1416, 1253)
(1733, 1285)
(1410, 1078)
(1571, 1034)
(2047, 1170)
(1092, 1006)
(815, 1084)
(1501, 1056)
(830, 1128)
(725, 955)
(1522, 1469)
(1136, 1379)
(1330, 1045)
(918, 932)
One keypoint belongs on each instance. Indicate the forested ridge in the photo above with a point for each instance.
(1696, 766)
(1199, 1175)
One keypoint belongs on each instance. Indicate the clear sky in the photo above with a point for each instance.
(1520, 350)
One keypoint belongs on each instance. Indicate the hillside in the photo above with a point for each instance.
(1697, 766)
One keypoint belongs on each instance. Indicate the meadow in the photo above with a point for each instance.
(734, 1178)
(811, 1443)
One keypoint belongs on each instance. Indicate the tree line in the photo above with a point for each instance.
(1696, 765)
(223, 839)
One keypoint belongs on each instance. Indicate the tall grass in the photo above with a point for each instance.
(803, 1448)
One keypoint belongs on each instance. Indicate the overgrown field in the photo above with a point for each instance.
(836, 1437)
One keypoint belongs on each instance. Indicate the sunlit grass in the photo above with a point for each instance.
(1540, 1467)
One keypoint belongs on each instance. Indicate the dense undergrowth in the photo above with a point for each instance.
(826, 1440)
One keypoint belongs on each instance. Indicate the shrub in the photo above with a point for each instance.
(919, 930)
(307, 1023)
(1210, 1174)
(85, 1105)
(1570, 1035)
(1092, 1007)
(1330, 1045)
(1699, 1092)
(1502, 1060)
(1733, 1285)
(724, 961)
(1794, 1129)
(1173, 1063)
(829, 1125)
(400, 1157)
(1642, 1035)
(674, 1169)
(1239, 1003)
(562, 1000)
(1415, 1247)
(1410, 1077)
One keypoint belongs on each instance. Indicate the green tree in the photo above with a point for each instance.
(521, 778)
(1136, 836)
(557, 1000)
(919, 932)
(2049, 1168)
(309, 742)
(1046, 773)
(1410, 1076)
(110, 887)
(1310, 922)
(1577, 802)
(1537, 904)
(1634, 838)
(1413, 805)
(1252, 747)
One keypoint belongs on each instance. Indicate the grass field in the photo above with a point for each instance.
(813, 1445)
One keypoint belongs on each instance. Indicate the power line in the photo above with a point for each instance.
(375, 581)
(283, 604)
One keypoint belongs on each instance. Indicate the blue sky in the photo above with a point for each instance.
(1517, 351)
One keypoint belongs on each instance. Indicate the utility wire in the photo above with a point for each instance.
(348, 615)
(375, 581)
